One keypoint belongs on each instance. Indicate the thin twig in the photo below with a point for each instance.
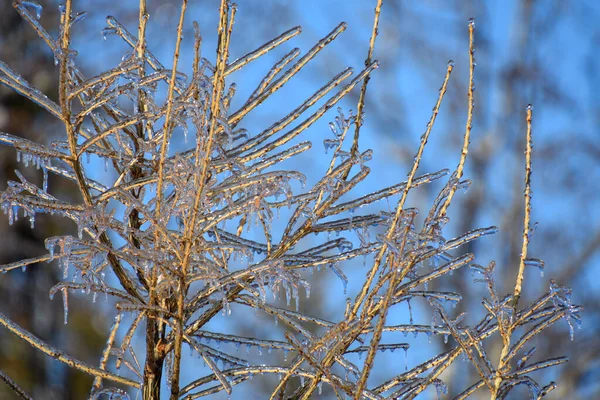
(62, 357)
(467, 138)
(527, 218)
(363, 90)
(504, 360)
(14, 386)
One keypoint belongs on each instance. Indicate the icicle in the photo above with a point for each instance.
(296, 299)
(440, 388)
(287, 296)
(333, 128)
(65, 303)
(409, 310)
(169, 368)
(11, 216)
(45, 179)
(330, 144)
(50, 247)
(226, 311)
(31, 219)
(340, 275)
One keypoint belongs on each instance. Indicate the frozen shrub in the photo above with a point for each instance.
(178, 238)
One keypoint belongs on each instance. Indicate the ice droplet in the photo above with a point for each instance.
(472, 22)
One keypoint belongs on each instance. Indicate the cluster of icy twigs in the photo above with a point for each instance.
(179, 237)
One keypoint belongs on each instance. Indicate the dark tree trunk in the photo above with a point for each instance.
(154, 362)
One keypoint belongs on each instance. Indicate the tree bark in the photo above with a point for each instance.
(154, 362)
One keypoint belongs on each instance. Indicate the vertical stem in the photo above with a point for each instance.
(141, 129)
(363, 89)
(182, 285)
(154, 358)
(527, 218)
(200, 179)
(503, 363)
(467, 138)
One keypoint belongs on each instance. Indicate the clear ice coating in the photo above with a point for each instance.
(218, 223)
(33, 6)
